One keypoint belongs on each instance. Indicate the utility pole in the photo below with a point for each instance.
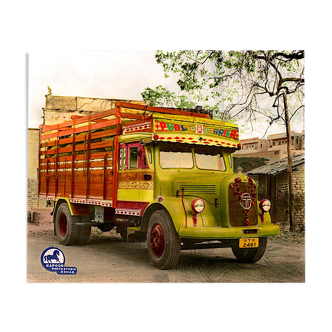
(289, 167)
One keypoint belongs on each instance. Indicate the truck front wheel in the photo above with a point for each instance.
(163, 242)
(251, 255)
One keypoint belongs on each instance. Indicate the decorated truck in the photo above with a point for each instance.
(160, 175)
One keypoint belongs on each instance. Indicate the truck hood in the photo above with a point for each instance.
(207, 186)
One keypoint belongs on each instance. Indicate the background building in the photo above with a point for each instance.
(272, 181)
(273, 148)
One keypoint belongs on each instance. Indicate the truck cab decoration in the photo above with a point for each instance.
(156, 174)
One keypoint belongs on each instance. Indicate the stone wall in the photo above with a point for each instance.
(60, 108)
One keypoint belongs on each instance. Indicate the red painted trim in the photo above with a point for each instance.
(80, 209)
(184, 207)
(115, 170)
(133, 205)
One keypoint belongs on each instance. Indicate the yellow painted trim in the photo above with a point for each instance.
(135, 195)
(192, 130)
(140, 185)
(194, 119)
(67, 200)
(134, 137)
(146, 195)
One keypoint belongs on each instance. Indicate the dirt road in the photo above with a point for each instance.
(107, 259)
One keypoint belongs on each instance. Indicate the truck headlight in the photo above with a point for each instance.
(265, 205)
(198, 205)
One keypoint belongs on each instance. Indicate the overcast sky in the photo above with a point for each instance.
(102, 74)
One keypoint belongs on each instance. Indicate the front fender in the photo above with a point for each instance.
(182, 214)
(174, 207)
(178, 211)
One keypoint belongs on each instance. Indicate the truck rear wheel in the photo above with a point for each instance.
(163, 242)
(84, 230)
(66, 229)
(251, 255)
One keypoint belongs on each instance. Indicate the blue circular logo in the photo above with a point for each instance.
(52, 259)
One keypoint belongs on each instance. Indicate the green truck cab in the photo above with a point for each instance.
(197, 201)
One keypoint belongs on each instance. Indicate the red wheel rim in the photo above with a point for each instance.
(63, 225)
(157, 240)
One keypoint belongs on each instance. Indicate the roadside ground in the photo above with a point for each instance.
(106, 258)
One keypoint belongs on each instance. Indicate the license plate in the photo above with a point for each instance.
(248, 243)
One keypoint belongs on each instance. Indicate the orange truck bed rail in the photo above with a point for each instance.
(78, 158)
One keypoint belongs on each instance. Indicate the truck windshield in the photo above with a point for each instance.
(182, 157)
(209, 159)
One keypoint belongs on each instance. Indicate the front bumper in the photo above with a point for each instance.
(227, 232)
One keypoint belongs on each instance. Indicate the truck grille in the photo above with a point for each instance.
(236, 212)
(197, 189)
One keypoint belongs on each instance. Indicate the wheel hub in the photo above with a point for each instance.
(63, 225)
(157, 240)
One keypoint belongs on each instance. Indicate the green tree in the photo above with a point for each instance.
(162, 97)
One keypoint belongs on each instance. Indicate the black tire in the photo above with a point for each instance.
(106, 227)
(123, 232)
(251, 255)
(163, 242)
(66, 229)
(84, 231)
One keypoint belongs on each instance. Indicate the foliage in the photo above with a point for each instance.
(161, 97)
(235, 84)
(242, 85)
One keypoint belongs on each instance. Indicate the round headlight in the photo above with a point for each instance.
(265, 205)
(198, 205)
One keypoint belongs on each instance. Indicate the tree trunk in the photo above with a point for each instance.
(289, 168)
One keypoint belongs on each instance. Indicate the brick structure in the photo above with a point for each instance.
(33, 148)
(272, 181)
(299, 196)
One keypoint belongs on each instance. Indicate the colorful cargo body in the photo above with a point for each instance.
(159, 175)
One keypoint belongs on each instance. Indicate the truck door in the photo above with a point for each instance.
(134, 177)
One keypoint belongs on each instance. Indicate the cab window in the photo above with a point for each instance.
(133, 157)
(122, 161)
